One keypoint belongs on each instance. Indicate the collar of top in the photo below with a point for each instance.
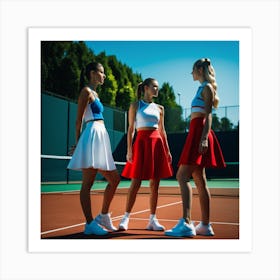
(203, 84)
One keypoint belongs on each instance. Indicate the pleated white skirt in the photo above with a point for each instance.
(93, 149)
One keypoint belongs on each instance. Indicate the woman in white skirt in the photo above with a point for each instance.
(92, 152)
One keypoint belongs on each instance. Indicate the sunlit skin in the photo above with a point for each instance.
(185, 172)
(86, 96)
(150, 92)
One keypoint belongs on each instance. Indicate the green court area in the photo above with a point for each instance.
(100, 185)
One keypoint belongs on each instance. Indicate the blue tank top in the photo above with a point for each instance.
(94, 110)
(198, 103)
(147, 115)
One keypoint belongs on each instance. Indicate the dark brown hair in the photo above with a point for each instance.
(85, 72)
(141, 86)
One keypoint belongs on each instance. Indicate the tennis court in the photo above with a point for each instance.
(62, 217)
(61, 213)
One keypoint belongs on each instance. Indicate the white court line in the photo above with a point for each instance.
(169, 220)
(59, 229)
(113, 219)
(146, 210)
(135, 213)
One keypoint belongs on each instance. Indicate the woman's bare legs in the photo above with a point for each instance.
(183, 176)
(199, 177)
(89, 175)
(132, 192)
(113, 179)
(154, 185)
(88, 179)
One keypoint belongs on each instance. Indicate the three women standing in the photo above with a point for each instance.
(148, 158)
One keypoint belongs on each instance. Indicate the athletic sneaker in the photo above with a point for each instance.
(155, 225)
(124, 223)
(94, 228)
(105, 220)
(182, 229)
(202, 229)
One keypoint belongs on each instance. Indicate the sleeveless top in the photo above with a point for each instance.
(198, 103)
(147, 115)
(94, 109)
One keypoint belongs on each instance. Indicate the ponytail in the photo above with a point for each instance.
(139, 90)
(209, 75)
(141, 87)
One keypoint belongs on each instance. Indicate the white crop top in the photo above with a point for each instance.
(147, 115)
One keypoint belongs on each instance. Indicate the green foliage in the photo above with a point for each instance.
(173, 112)
(108, 91)
(166, 96)
(61, 64)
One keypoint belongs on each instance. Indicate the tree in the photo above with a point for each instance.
(173, 112)
(173, 120)
(61, 64)
(166, 96)
(226, 125)
(52, 54)
(216, 125)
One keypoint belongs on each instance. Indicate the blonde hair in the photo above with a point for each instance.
(209, 75)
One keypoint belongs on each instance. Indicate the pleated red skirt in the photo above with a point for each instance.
(149, 159)
(190, 155)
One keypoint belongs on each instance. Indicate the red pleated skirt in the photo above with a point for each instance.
(190, 155)
(149, 159)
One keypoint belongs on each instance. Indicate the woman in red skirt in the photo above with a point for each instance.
(201, 150)
(149, 157)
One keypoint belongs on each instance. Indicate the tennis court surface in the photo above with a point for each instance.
(62, 217)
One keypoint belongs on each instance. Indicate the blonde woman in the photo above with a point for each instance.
(201, 150)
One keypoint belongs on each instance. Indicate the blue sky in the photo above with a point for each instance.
(172, 62)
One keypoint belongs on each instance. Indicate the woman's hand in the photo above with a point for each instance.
(169, 157)
(203, 146)
(129, 157)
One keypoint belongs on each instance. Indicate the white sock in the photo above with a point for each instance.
(127, 214)
(103, 215)
(152, 216)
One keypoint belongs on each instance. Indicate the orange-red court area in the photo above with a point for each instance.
(62, 217)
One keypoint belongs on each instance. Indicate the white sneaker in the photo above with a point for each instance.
(105, 220)
(124, 223)
(94, 228)
(206, 230)
(155, 225)
(182, 229)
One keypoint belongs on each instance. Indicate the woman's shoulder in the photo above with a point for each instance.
(208, 90)
(134, 105)
(161, 107)
(208, 87)
(87, 92)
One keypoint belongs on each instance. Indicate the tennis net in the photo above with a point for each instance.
(54, 169)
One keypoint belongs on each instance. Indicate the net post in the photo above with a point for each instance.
(67, 136)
